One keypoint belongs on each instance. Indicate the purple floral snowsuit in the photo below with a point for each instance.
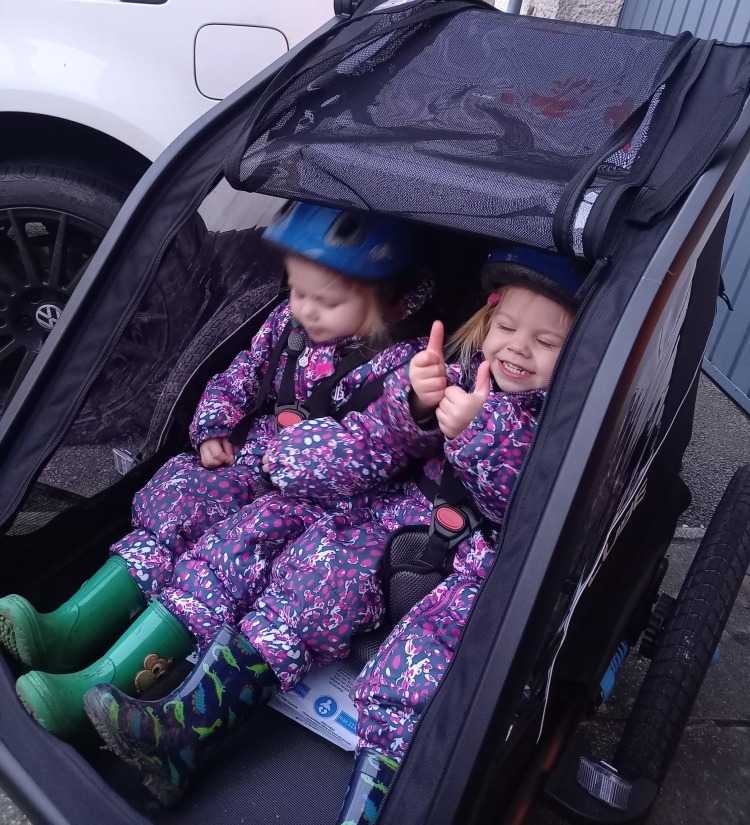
(297, 566)
(323, 585)
(396, 684)
(184, 500)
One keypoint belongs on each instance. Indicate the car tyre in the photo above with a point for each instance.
(686, 644)
(52, 218)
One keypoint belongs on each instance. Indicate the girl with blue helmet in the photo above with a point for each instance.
(335, 334)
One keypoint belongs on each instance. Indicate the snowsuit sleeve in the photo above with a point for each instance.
(231, 394)
(325, 459)
(489, 454)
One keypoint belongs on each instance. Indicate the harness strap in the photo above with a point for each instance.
(295, 345)
(319, 403)
(287, 409)
(454, 518)
(239, 433)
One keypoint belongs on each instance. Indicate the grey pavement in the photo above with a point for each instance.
(709, 781)
(9, 813)
(720, 444)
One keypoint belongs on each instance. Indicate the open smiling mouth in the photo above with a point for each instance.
(513, 369)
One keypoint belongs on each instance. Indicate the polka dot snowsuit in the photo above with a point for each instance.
(184, 501)
(396, 684)
(297, 568)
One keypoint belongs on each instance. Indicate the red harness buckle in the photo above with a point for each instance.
(287, 418)
(290, 414)
(450, 518)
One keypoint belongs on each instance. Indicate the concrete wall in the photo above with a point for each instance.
(603, 12)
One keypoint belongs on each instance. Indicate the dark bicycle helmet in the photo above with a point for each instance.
(361, 245)
(555, 276)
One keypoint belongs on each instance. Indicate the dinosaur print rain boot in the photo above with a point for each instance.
(69, 637)
(167, 739)
(144, 651)
(369, 784)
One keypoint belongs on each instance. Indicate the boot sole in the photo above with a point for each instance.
(32, 697)
(26, 646)
(154, 778)
(8, 635)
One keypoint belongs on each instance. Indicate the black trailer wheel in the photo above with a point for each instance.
(52, 219)
(691, 634)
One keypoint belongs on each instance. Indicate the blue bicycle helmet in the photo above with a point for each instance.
(361, 245)
(552, 275)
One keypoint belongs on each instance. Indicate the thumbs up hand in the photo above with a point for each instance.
(459, 408)
(427, 375)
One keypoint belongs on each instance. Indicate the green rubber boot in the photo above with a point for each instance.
(141, 654)
(69, 637)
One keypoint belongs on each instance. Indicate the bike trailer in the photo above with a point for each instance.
(621, 148)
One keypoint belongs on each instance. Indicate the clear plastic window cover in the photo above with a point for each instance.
(448, 121)
(216, 273)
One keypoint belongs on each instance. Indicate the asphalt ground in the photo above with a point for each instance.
(709, 780)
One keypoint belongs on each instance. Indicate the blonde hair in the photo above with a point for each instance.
(374, 327)
(469, 337)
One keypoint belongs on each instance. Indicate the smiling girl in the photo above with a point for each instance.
(484, 410)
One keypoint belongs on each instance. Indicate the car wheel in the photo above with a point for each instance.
(52, 219)
(685, 646)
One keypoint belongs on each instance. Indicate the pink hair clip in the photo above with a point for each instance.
(493, 298)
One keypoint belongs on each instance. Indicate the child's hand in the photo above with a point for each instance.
(459, 408)
(427, 375)
(216, 452)
(266, 465)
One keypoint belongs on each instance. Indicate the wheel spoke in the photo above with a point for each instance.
(150, 318)
(10, 349)
(33, 275)
(23, 368)
(57, 265)
(73, 282)
(8, 279)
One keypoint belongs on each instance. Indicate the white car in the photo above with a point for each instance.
(91, 91)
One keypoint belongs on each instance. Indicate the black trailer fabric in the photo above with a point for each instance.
(466, 117)
(514, 631)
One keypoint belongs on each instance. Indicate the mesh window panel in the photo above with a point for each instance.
(215, 275)
(476, 121)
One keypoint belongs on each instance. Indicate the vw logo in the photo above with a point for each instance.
(48, 315)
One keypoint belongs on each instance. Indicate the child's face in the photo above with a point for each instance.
(526, 333)
(326, 304)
